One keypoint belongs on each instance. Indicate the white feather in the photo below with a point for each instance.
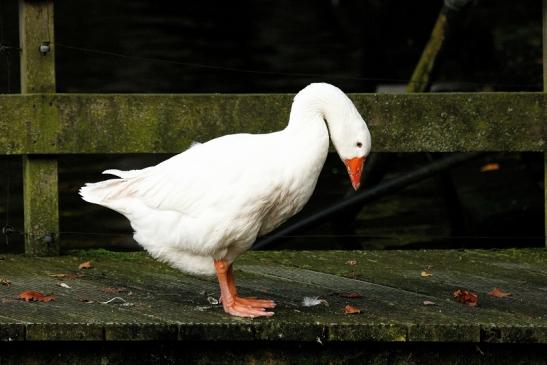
(312, 301)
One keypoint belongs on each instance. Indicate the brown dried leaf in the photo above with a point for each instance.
(351, 262)
(425, 274)
(351, 295)
(111, 290)
(350, 309)
(5, 282)
(490, 167)
(35, 296)
(498, 293)
(466, 297)
(85, 265)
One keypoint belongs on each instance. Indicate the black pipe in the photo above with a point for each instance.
(374, 193)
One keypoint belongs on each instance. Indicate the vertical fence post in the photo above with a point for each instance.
(40, 187)
(545, 90)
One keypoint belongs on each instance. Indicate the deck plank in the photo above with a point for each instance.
(164, 304)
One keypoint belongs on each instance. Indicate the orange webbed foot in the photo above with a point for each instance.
(234, 304)
(240, 310)
(255, 303)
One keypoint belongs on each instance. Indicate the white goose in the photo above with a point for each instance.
(201, 209)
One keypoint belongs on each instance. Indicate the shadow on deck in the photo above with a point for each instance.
(163, 316)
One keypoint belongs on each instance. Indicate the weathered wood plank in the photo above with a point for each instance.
(40, 172)
(122, 123)
(41, 206)
(167, 305)
(35, 28)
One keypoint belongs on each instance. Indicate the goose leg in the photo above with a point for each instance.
(230, 301)
(249, 301)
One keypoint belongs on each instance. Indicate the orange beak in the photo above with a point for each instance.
(355, 168)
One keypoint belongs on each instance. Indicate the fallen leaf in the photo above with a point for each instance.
(351, 262)
(111, 290)
(490, 167)
(351, 295)
(87, 301)
(35, 296)
(64, 285)
(85, 265)
(498, 293)
(5, 282)
(350, 309)
(425, 274)
(466, 297)
(429, 302)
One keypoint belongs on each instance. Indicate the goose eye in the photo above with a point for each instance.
(359, 144)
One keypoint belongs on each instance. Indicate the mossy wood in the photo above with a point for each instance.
(135, 123)
(41, 202)
(158, 303)
(35, 30)
(40, 172)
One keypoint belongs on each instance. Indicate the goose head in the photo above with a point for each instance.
(347, 129)
(351, 139)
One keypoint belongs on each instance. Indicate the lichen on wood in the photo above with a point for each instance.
(122, 123)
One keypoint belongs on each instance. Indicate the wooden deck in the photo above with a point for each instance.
(165, 315)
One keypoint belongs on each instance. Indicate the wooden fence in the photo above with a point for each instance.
(40, 124)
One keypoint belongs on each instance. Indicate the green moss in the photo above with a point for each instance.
(101, 253)
(169, 123)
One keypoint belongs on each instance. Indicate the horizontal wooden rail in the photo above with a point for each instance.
(136, 123)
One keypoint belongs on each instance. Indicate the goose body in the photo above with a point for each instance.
(209, 203)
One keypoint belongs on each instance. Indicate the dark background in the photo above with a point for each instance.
(281, 46)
